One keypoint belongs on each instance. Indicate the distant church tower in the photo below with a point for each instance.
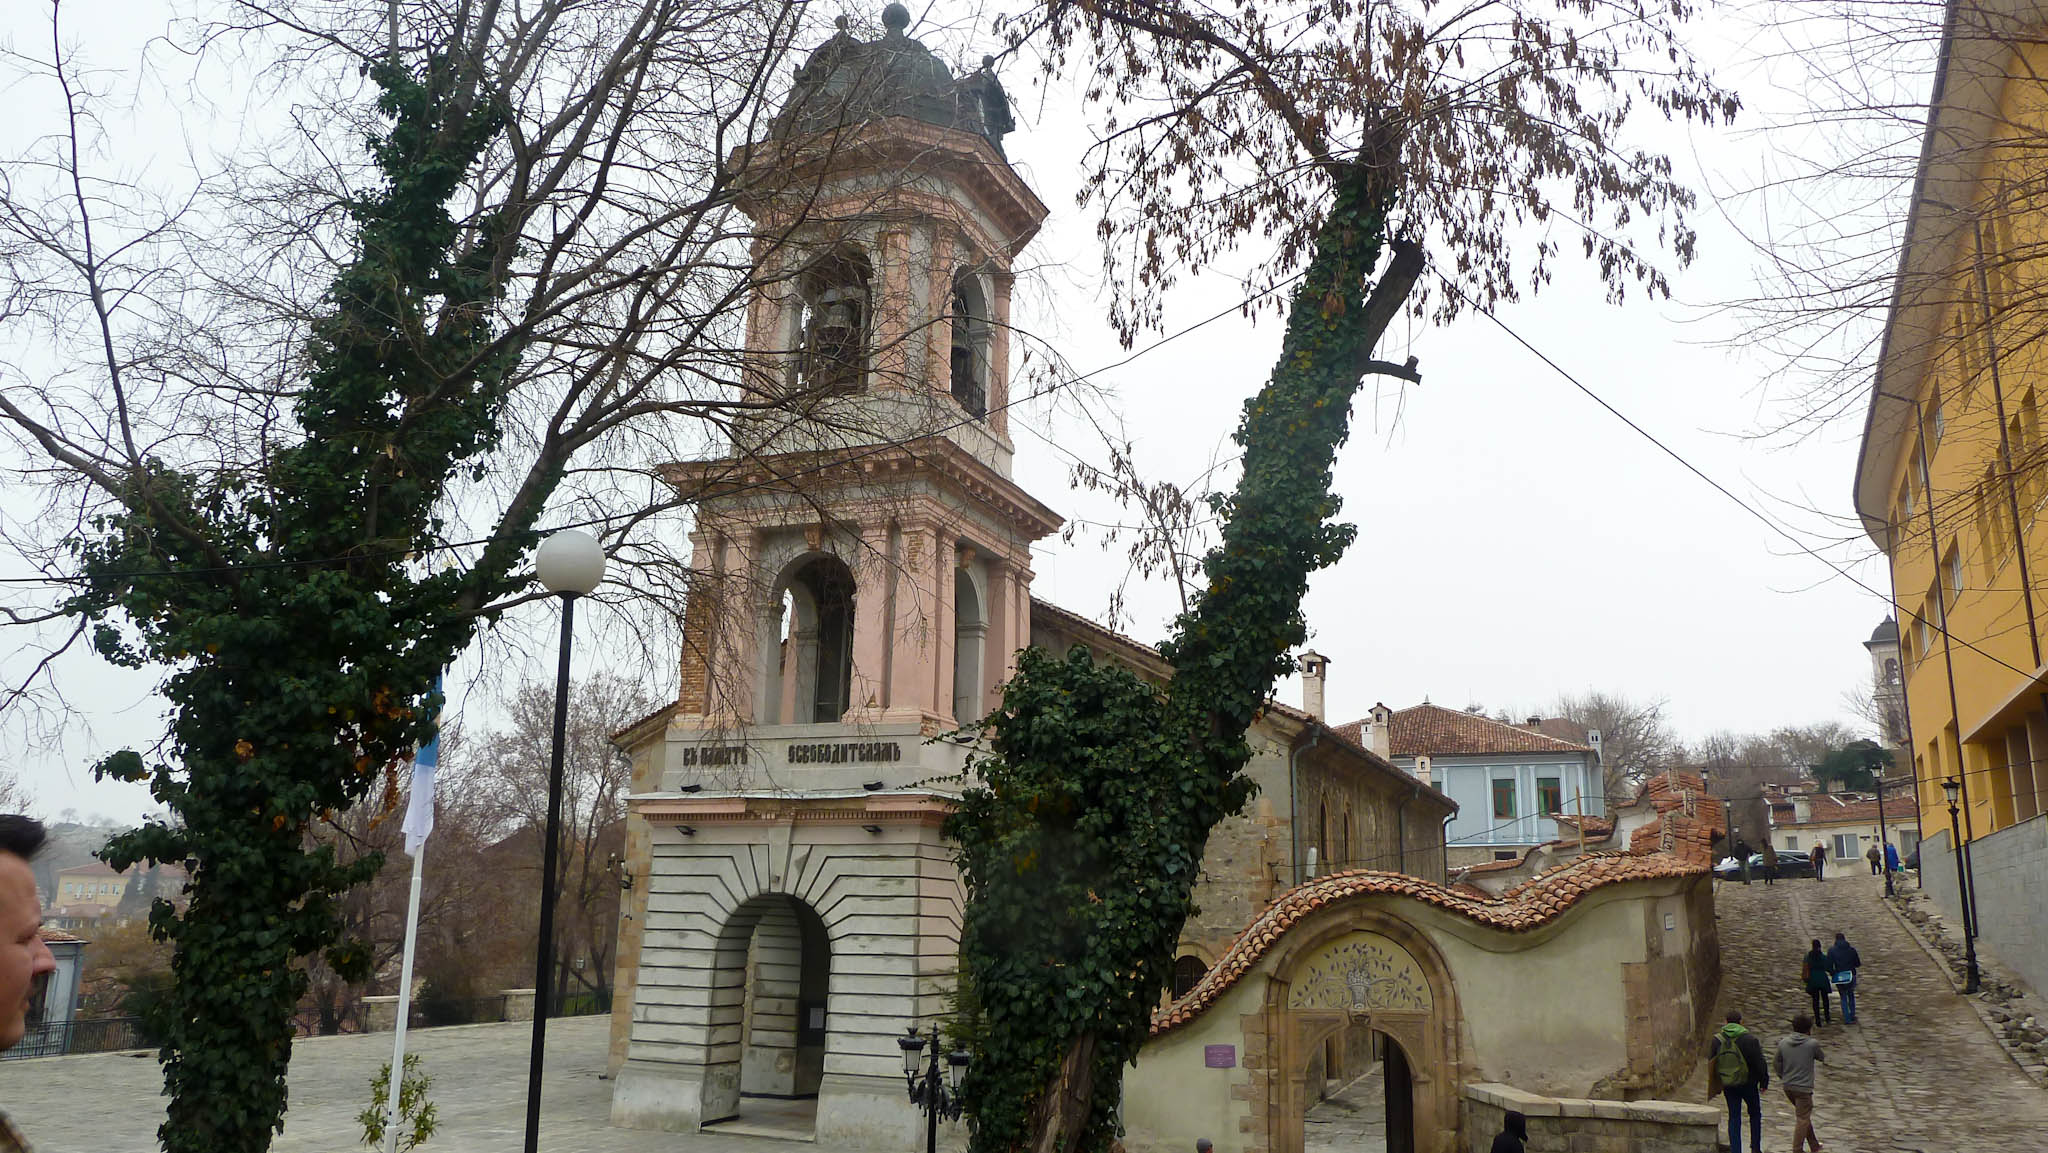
(1887, 685)
(861, 583)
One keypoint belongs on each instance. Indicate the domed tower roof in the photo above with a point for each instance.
(848, 81)
(1886, 633)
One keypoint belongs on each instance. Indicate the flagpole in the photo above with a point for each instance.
(419, 822)
(412, 939)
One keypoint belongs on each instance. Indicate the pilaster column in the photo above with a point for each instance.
(913, 628)
(999, 353)
(889, 364)
(877, 576)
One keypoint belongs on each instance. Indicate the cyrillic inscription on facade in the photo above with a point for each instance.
(845, 753)
(714, 754)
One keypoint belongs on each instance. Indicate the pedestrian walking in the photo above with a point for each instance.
(23, 955)
(1844, 960)
(1815, 972)
(1876, 858)
(1742, 857)
(1796, 1057)
(1204, 1145)
(1819, 857)
(1770, 863)
(1737, 1069)
(1891, 856)
(1514, 1134)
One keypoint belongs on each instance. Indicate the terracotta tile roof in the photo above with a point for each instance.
(1834, 810)
(1596, 827)
(1436, 731)
(1677, 843)
(92, 868)
(625, 731)
(59, 936)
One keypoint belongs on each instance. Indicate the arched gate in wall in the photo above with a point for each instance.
(1372, 970)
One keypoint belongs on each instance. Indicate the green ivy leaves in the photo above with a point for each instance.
(1081, 848)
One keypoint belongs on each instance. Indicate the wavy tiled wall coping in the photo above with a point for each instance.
(1527, 906)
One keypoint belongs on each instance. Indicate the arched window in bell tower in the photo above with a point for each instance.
(810, 671)
(969, 361)
(832, 354)
(970, 630)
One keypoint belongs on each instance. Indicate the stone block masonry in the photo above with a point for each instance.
(1582, 1125)
(2011, 870)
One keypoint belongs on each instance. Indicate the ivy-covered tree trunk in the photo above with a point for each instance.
(1082, 847)
(305, 648)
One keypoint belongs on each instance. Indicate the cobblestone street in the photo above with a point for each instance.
(1917, 1072)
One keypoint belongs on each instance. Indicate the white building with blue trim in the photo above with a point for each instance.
(1508, 779)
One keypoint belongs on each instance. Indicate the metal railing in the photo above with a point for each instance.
(96, 1035)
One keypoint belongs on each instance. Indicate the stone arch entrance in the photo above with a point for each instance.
(773, 962)
(1365, 971)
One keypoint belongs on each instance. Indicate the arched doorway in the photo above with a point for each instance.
(774, 964)
(1367, 1100)
(1371, 995)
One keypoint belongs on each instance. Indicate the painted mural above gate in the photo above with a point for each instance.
(1360, 972)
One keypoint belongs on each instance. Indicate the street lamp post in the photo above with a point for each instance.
(937, 1096)
(569, 564)
(1971, 978)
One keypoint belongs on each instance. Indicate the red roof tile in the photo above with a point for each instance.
(1432, 730)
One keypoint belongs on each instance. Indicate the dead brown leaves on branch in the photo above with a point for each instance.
(1502, 123)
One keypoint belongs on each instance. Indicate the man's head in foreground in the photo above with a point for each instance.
(23, 956)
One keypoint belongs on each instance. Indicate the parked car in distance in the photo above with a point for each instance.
(1790, 865)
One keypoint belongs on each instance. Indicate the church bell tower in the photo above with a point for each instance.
(860, 587)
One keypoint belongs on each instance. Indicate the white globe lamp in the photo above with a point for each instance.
(570, 563)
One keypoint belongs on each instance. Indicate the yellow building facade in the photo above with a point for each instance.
(1952, 479)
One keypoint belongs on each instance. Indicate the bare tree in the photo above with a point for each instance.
(503, 784)
(1635, 738)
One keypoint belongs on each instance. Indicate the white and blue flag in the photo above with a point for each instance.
(419, 810)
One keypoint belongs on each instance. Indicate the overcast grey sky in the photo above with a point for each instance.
(1516, 542)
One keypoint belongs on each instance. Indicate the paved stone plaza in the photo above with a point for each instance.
(1917, 1072)
(110, 1103)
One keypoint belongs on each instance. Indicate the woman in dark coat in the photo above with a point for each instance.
(1513, 1135)
(1818, 973)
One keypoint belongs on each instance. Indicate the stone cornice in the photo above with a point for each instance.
(894, 145)
(816, 472)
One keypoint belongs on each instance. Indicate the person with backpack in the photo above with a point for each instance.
(1737, 1069)
(1770, 862)
(1818, 974)
(1844, 960)
(1819, 857)
(1795, 1060)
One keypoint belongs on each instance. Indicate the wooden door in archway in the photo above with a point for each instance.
(1400, 1093)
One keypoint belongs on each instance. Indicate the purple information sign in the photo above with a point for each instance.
(1219, 1056)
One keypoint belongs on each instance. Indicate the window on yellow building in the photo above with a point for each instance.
(1952, 566)
(2024, 452)
(1969, 364)
(1988, 550)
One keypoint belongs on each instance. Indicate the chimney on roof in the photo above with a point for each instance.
(1535, 722)
(1315, 676)
(1422, 770)
(1377, 738)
